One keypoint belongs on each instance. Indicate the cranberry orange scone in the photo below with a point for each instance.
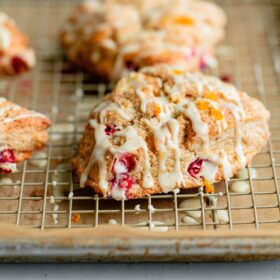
(163, 129)
(94, 33)
(15, 55)
(21, 132)
(113, 37)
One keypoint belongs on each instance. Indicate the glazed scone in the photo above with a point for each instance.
(163, 129)
(169, 46)
(94, 33)
(15, 55)
(21, 132)
(114, 37)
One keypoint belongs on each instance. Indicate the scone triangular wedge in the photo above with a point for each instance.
(21, 132)
(163, 129)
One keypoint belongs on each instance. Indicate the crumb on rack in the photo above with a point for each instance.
(208, 186)
(76, 217)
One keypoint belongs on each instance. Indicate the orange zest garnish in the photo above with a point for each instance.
(202, 104)
(208, 186)
(157, 109)
(216, 114)
(180, 20)
(183, 20)
(177, 72)
(211, 96)
(75, 218)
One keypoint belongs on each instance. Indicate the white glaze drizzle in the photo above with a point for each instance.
(118, 193)
(108, 106)
(166, 140)
(102, 145)
(166, 131)
(238, 115)
(5, 34)
(132, 142)
(209, 170)
(4, 109)
(199, 126)
(5, 38)
(226, 165)
(22, 116)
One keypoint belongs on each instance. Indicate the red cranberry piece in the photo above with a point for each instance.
(110, 129)
(5, 171)
(195, 167)
(124, 164)
(131, 66)
(202, 64)
(121, 186)
(125, 182)
(226, 78)
(18, 64)
(7, 156)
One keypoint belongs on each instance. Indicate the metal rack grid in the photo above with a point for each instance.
(250, 53)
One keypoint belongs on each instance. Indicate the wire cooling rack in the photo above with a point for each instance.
(37, 195)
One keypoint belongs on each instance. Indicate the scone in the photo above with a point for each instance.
(111, 38)
(94, 33)
(15, 55)
(163, 129)
(21, 132)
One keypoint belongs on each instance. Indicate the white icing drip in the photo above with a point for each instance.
(107, 106)
(145, 99)
(119, 167)
(132, 143)
(166, 139)
(208, 171)
(238, 114)
(227, 169)
(112, 222)
(176, 90)
(5, 38)
(22, 116)
(166, 108)
(102, 145)
(137, 208)
(98, 155)
(118, 193)
(199, 127)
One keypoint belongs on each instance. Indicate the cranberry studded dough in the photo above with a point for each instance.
(15, 56)
(21, 132)
(110, 38)
(163, 129)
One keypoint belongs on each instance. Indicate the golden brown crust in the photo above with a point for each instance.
(197, 116)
